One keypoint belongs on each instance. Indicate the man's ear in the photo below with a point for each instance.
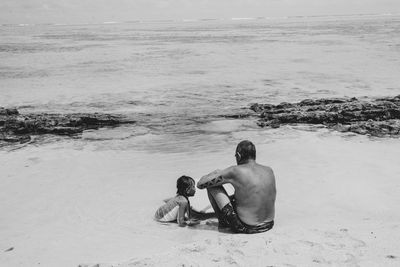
(239, 156)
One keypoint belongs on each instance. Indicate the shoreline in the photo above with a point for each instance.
(379, 117)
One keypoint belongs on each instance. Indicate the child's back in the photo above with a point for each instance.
(169, 212)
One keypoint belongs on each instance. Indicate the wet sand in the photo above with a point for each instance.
(67, 203)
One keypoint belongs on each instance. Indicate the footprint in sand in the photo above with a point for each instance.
(344, 235)
(311, 244)
(335, 245)
(193, 248)
(351, 260)
(237, 251)
(95, 265)
(230, 260)
(321, 260)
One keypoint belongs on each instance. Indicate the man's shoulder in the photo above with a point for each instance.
(268, 172)
(234, 171)
(255, 170)
(254, 165)
(244, 171)
(267, 168)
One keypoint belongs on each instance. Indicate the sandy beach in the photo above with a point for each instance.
(70, 203)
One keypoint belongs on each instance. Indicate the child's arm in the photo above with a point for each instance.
(183, 206)
(184, 209)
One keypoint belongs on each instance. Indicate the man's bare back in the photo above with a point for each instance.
(255, 192)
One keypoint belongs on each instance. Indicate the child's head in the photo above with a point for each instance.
(185, 186)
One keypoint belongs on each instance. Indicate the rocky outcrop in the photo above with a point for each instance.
(377, 117)
(16, 127)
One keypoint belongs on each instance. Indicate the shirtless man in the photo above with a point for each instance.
(252, 207)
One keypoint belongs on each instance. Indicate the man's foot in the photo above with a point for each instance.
(223, 224)
(226, 230)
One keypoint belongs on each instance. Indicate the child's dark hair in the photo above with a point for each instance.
(183, 183)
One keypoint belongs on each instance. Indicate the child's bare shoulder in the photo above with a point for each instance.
(181, 199)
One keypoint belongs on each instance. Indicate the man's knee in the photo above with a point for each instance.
(219, 195)
(215, 190)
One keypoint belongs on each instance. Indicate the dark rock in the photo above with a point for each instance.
(15, 139)
(260, 107)
(284, 105)
(8, 111)
(237, 116)
(377, 117)
(15, 127)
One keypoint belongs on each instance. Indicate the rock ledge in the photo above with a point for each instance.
(373, 116)
(16, 127)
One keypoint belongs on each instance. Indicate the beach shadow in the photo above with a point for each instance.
(210, 225)
(205, 221)
(201, 216)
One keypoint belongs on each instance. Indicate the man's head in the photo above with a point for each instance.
(185, 186)
(245, 151)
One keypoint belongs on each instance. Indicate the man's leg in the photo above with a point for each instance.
(222, 206)
(218, 198)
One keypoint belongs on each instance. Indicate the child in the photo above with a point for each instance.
(177, 207)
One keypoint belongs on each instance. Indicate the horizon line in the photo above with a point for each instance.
(198, 20)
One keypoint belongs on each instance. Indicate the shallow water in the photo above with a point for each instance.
(176, 78)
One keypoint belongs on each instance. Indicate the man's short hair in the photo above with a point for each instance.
(247, 150)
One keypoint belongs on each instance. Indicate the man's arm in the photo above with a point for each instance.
(215, 178)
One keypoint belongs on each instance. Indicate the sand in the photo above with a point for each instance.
(71, 203)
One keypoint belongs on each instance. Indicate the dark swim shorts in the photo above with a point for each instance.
(232, 220)
(259, 228)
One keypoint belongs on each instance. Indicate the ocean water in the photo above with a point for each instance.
(180, 80)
